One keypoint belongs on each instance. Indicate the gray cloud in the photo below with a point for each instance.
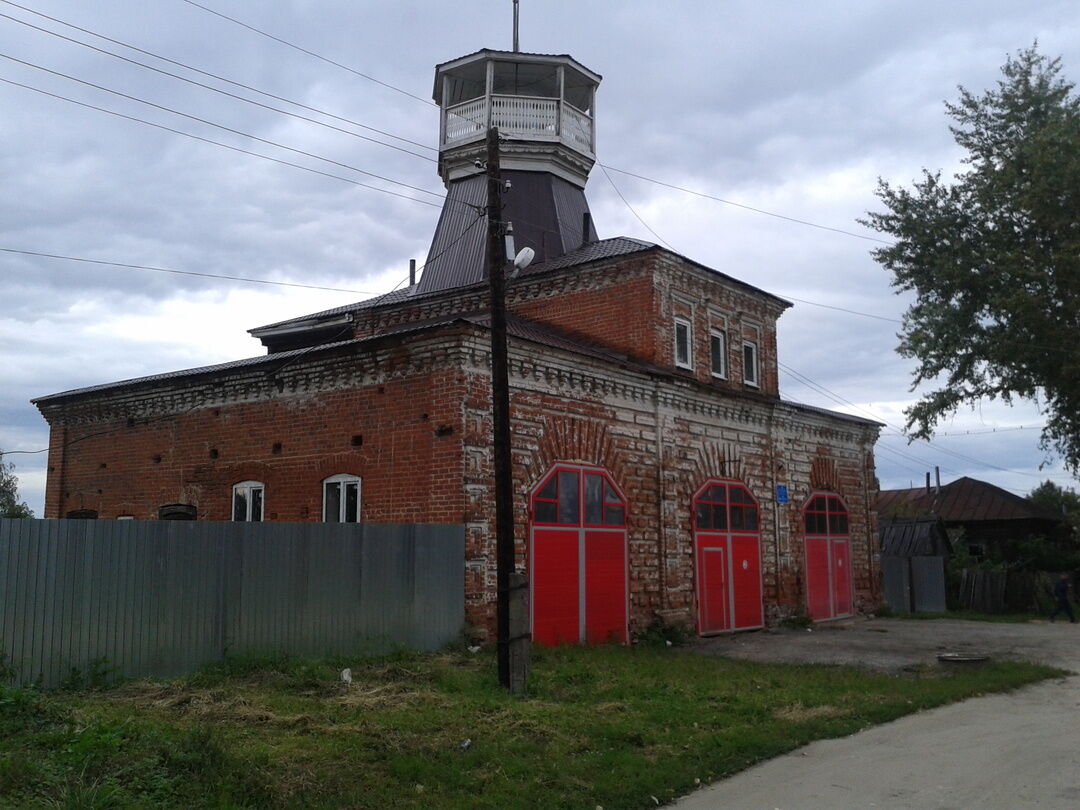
(795, 108)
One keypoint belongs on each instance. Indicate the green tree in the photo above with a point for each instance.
(10, 505)
(993, 257)
(1060, 501)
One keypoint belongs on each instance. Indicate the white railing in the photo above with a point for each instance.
(519, 116)
(465, 121)
(522, 115)
(577, 128)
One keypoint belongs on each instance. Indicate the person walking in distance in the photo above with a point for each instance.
(1061, 594)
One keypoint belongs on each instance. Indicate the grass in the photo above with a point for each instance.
(974, 616)
(608, 726)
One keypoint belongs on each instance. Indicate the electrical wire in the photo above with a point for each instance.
(126, 266)
(900, 433)
(221, 126)
(225, 92)
(308, 52)
(217, 143)
(795, 220)
(605, 167)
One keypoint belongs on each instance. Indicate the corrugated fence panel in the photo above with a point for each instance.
(160, 598)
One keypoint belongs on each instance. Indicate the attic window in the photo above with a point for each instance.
(682, 343)
(750, 363)
(718, 353)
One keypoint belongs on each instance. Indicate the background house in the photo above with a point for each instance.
(989, 516)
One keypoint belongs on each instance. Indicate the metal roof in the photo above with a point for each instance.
(965, 499)
(914, 537)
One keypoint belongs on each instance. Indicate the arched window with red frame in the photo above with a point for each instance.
(727, 554)
(577, 557)
(828, 557)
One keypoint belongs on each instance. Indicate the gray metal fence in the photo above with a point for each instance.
(159, 598)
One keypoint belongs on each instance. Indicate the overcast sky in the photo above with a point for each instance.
(795, 108)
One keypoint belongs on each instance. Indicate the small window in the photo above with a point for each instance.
(718, 354)
(125, 517)
(341, 499)
(682, 344)
(750, 363)
(248, 501)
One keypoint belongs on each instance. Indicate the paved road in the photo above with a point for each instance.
(1003, 752)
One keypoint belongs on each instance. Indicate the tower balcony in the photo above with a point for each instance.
(530, 118)
(543, 106)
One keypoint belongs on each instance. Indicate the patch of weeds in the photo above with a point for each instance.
(99, 676)
(884, 612)
(797, 621)
(972, 616)
(81, 795)
(18, 772)
(662, 633)
(8, 672)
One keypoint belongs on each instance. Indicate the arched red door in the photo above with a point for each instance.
(828, 558)
(577, 558)
(727, 551)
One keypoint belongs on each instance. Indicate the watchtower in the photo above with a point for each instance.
(544, 108)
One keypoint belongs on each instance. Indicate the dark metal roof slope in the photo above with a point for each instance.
(835, 414)
(546, 210)
(915, 537)
(598, 250)
(965, 499)
(594, 251)
(458, 253)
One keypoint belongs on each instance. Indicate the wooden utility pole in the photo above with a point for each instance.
(511, 676)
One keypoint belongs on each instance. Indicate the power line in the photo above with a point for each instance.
(605, 167)
(126, 266)
(221, 126)
(899, 432)
(306, 51)
(219, 78)
(796, 220)
(217, 143)
(632, 211)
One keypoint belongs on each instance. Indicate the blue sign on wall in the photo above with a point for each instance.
(781, 493)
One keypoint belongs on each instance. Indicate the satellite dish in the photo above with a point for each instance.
(524, 258)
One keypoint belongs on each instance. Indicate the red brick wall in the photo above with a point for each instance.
(401, 433)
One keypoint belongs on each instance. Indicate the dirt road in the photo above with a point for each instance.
(1001, 752)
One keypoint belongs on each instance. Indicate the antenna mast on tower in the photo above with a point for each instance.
(516, 48)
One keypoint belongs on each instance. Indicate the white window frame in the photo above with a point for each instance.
(722, 336)
(752, 379)
(247, 489)
(688, 363)
(343, 480)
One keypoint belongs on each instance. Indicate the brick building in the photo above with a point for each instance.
(656, 470)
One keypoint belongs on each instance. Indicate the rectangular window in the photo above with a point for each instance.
(341, 499)
(682, 344)
(248, 501)
(718, 353)
(750, 363)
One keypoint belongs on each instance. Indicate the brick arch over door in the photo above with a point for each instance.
(827, 553)
(727, 558)
(578, 440)
(578, 578)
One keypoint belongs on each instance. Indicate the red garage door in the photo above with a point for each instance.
(577, 558)
(728, 557)
(828, 558)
